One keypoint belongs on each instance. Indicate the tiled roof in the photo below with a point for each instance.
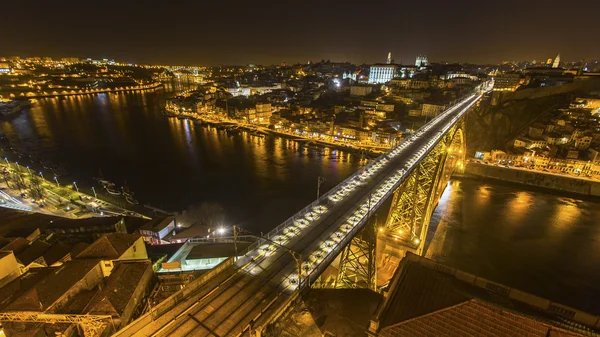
(473, 318)
(17, 245)
(78, 248)
(46, 291)
(430, 299)
(56, 253)
(25, 282)
(33, 252)
(119, 288)
(109, 246)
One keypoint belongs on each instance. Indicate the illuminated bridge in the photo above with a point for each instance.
(391, 198)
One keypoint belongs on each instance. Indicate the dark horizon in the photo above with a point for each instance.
(270, 32)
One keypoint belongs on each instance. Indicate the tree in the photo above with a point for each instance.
(207, 214)
(19, 179)
(35, 188)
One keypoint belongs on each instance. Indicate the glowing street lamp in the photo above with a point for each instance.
(41, 175)
(94, 190)
(56, 179)
(28, 170)
(6, 160)
(76, 188)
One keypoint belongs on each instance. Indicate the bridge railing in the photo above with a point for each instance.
(324, 199)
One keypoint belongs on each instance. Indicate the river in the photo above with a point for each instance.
(543, 243)
(540, 242)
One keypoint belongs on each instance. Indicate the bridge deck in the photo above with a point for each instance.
(266, 278)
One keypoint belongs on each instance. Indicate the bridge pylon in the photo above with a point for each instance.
(358, 262)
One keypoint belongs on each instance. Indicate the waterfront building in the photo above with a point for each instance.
(4, 68)
(154, 231)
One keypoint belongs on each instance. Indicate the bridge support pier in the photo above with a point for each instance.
(358, 262)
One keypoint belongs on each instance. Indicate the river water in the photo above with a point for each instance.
(540, 242)
(543, 243)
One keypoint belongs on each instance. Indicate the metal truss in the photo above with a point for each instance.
(92, 325)
(414, 200)
(358, 263)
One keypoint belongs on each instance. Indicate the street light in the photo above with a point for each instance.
(56, 179)
(76, 188)
(41, 175)
(7, 163)
(28, 170)
(94, 190)
(320, 181)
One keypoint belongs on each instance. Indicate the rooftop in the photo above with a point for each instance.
(431, 299)
(33, 252)
(157, 224)
(40, 288)
(109, 246)
(17, 245)
(118, 289)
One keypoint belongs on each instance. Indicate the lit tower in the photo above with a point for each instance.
(389, 59)
(421, 61)
(556, 61)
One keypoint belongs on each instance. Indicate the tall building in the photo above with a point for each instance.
(382, 73)
(421, 61)
(556, 61)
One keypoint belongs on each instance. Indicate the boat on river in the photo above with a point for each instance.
(111, 190)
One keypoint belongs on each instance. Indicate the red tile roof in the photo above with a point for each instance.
(109, 246)
(473, 318)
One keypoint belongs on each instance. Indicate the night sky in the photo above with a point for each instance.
(204, 32)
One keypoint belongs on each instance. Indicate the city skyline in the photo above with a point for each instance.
(271, 33)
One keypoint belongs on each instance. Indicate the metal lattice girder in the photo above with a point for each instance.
(92, 325)
(358, 263)
(414, 200)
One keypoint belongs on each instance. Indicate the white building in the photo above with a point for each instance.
(382, 73)
(421, 61)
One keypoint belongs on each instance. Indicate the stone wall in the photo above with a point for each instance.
(537, 179)
(532, 93)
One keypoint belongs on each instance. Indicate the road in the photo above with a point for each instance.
(57, 197)
(267, 277)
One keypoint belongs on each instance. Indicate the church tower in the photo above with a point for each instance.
(556, 62)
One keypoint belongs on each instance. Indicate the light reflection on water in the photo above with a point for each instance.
(171, 163)
(542, 243)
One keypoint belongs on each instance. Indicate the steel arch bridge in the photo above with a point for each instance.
(391, 199)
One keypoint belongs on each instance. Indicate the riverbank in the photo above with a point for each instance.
(73, 92)
(231, 123)
(66, 201)
(579, 186)
(12, 108)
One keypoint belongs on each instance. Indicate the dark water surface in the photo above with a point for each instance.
(539, 242)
